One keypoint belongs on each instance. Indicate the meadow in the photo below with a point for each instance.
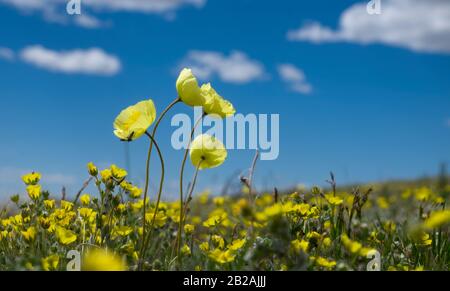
(402, 227)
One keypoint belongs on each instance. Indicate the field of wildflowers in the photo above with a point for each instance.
(120, 228)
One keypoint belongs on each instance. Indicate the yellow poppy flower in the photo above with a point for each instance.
(92, 169)
(237, 244)
(50, 263)
(126, 186)
(188, 89)
(65, 236)
(31, 179)
(102, 260)
(122, 230)
(204, 246)
(218, 240)
(215, 104)
(118, 173)
(333, 200)
(85, 199)
(189, 228)
(186, 250)
(34, 191)
(326, 242)
(134, 121)
(222, 257)
(351, 245)
(29, 234)
(106, 175)
(66, 205)
(437, 219)
(160, 219)
(300, 245)
(85, 212)
(207, 152)
(382, 202)
(121, 207)
(323, 262)
(45, 222)
(49, 204)
(213, 221)
(135, 192)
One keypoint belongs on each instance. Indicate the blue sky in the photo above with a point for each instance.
(360, 94)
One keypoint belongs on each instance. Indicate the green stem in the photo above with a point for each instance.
(147, 175)
(183, 164)
(184, 209)
(191, 190)
(161, 183)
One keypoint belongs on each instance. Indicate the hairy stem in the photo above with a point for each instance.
(147, 175)
(183, 164)
(158, 200)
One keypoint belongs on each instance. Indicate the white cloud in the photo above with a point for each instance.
(55, 10)
(89, 21)
(295, 78)
(6, 54)
(93, 61)
(142, 6)
(422, 26)
(236, 68)
(11, 181)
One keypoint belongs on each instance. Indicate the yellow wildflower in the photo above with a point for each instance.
(122, 230)
(215, 104)
(189, 228)
(65, 236)
(32, 178)
(334, 200)
(186, 250)
(102, 260)
(222, 257)
(207, 152)
(29, 234)
(188, 89)
(92, 169)
(437, 219)
(85, 199)
(300, 245)
(237, 244)
(382, 202)
(423, 194)
(323, 262)
(213, 221)
(352, 246)
(219, 201)
(135, 192)
(49, 204)
(85, 212)
(34, 191)
(134, 121)
(50, 263)
(118, 173)
(204, 246)
(66, 205)
(106, 175)
(218, 240)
